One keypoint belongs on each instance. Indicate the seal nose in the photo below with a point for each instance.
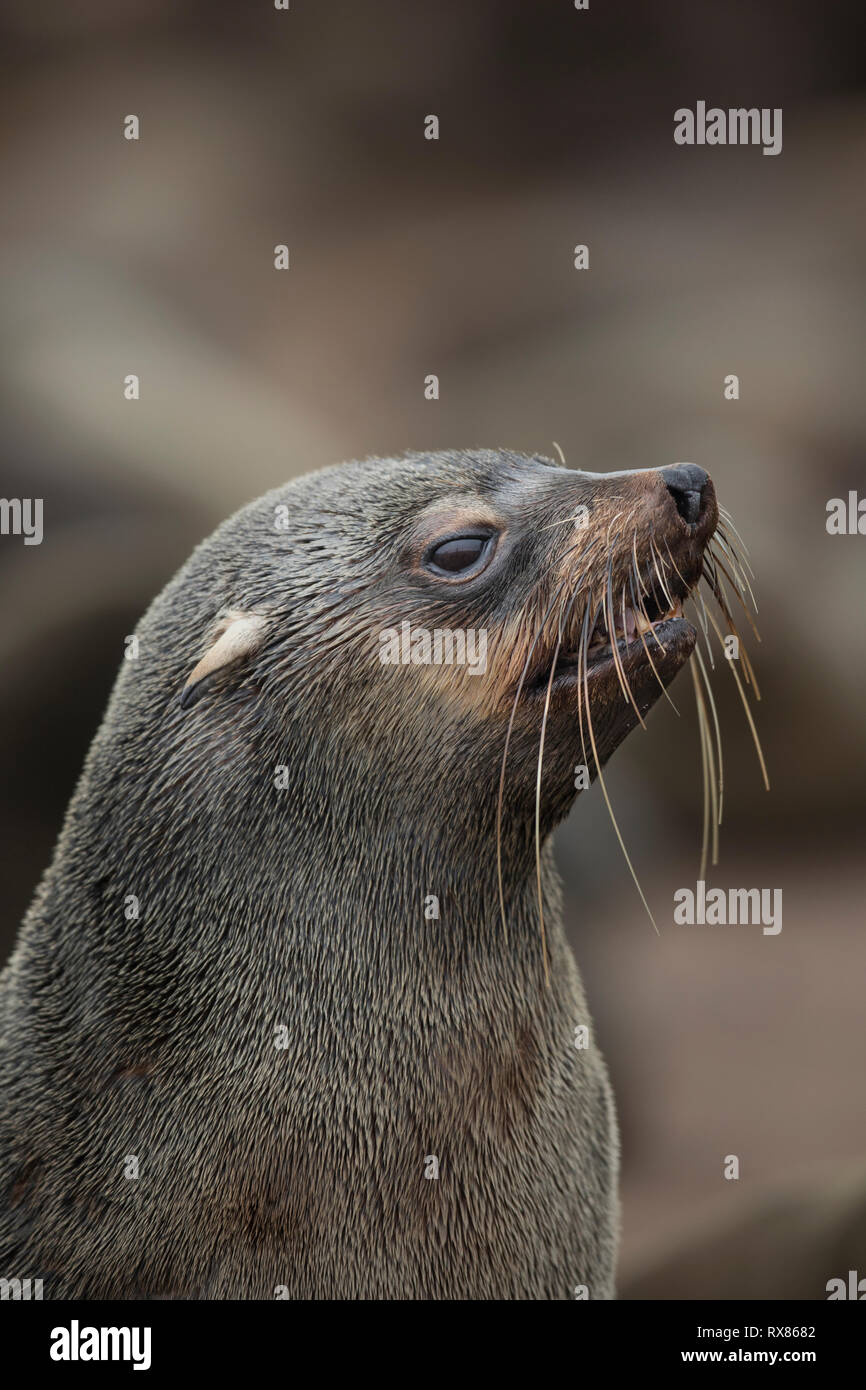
(686, 482)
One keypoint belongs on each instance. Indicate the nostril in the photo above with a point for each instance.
(686, 482)
(688, 503)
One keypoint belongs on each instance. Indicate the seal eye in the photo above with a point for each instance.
(459, 554)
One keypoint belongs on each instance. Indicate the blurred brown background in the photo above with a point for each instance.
(455, 257)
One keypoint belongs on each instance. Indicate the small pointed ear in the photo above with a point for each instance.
(238, 636)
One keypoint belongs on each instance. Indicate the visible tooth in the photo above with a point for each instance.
(628, 632)
(644, 625)
(635, 622)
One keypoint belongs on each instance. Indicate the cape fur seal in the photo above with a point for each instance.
(242, 1054)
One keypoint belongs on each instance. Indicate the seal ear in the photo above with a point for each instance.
(238, 636)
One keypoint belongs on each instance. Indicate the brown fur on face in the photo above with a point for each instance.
(284, 837)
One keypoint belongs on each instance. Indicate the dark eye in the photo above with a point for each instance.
(459, 554)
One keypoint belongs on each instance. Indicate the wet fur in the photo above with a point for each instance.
(303, 908)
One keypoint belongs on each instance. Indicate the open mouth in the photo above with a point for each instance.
(630, 628)
(642, 637)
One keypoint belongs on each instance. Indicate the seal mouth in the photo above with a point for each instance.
(661, 631)
(641, 637)
(613, 637)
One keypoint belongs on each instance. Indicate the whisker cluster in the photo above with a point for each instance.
(631, 615)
